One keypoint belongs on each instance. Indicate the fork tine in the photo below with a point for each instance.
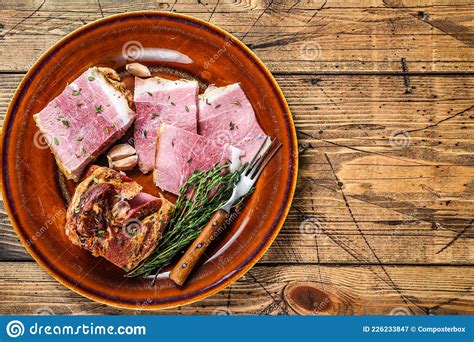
(249, 167)
(260, 160)
(255, 177)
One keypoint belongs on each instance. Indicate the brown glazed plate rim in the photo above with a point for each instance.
(201, 293)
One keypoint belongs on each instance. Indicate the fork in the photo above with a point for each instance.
(215, 226)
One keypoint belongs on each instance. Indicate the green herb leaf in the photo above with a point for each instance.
(98, 109)
(211, 189)
(149, 94)
(107, 130)
(56, 141)
(186, 108)
(91, 78)
(65, 122)
(144, 133)
(173, 104)
(79, 138)
(76, 92)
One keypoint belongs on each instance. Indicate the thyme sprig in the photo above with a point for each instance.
(199, 198)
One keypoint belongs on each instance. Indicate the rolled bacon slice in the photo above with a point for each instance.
(227, 117)
(85, 119)
(159, 100)
(110, 216)
(179, 153)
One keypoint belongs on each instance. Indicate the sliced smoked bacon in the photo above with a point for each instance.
(227, 117)
(180, 153)
(159, 100)
(85, 119)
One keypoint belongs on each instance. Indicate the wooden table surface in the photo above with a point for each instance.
(382, 94)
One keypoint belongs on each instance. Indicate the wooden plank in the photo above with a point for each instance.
(366, 195)
(308, 37)
(320, 290)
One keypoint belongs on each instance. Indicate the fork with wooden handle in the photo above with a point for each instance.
(249, 176)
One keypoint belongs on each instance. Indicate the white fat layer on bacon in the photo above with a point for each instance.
(235, 154)
(117, 99)
(153, 84)
(213, 92)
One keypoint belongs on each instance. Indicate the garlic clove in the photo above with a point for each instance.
(111, 162)
(120, 151)
(137, 69)
(125, 164)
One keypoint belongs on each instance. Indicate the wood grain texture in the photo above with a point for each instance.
(315, 36)
(415, 195)
(27, 289)
(381, 94)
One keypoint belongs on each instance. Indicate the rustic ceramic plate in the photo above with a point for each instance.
(36, 195)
